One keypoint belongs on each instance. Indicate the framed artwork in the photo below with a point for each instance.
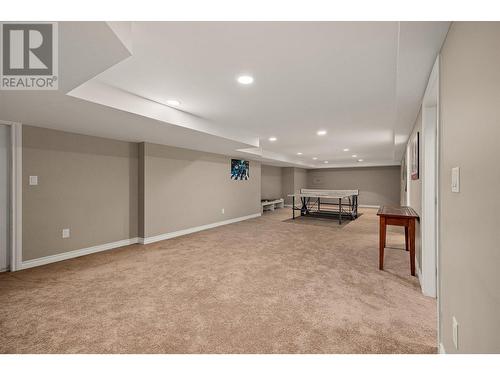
(240, 169)
(415, 156)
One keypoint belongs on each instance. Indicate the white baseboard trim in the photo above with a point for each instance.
(421, 281)
(183, 232)
(419, 273)
(130, 241)
(441, 348)
(3, 269)
(77, 253)
(368, 206)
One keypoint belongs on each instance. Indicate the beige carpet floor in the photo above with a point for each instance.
(266, 285)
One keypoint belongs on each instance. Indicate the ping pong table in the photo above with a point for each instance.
(329, 203)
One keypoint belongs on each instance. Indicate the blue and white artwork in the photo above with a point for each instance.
(240, 169)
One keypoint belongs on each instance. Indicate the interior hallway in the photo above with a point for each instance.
(266, 285)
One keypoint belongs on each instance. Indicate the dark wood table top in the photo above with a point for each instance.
(397, 211)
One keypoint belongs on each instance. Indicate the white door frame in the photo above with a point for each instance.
(430, 174)
(16, 192)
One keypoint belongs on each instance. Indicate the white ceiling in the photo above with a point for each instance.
(361, 81)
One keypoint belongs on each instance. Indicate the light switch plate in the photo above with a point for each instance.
(65, 233)
(455, 180)
(33, 180)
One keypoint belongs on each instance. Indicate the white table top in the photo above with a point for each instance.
(323, 193)
(309, 195)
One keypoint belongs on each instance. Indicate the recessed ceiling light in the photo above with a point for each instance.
(326, 162)
(354, 156)
(173, 102)
(299, 153)
(321, 132)
(360, 160)
(272, 139)
(315, 158)
(245, 80)
(346, 149)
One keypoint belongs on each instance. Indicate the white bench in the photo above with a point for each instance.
(272, 205)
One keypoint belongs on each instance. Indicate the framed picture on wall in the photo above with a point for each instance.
(240, 169)
(415, 156)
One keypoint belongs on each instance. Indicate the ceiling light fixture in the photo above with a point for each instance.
(272, 139)
(173, 102)
(299, 153)
(315, 158)
(326, 162)
(354, 156)
(245, 80)
(360, 160)
(321, 132)
(346, 149)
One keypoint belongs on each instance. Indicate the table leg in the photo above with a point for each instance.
(406, 238)
(340, 211)
(381, 243)
(411, 235)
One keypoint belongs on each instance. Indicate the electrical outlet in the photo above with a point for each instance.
(222, 211)
(33, 180)
(65, 233)
(455, 332)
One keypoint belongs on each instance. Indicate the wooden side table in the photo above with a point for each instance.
(399, 216)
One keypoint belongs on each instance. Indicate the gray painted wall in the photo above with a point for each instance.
(299, 179)
(293, 179)
(185, 188)
(469, 230)
(105, 190)
(377, 185)
(271, 182)
(86, 184)
(287, 183)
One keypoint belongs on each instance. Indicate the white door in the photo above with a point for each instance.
(4, 197)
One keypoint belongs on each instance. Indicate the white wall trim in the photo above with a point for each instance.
(419, 275)
(77, 253)
(429, 176)
(113, 245)
(183, 232)
(441, 348)
(16, 192)
(17, 197)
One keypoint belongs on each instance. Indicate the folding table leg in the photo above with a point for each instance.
(340, 211)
